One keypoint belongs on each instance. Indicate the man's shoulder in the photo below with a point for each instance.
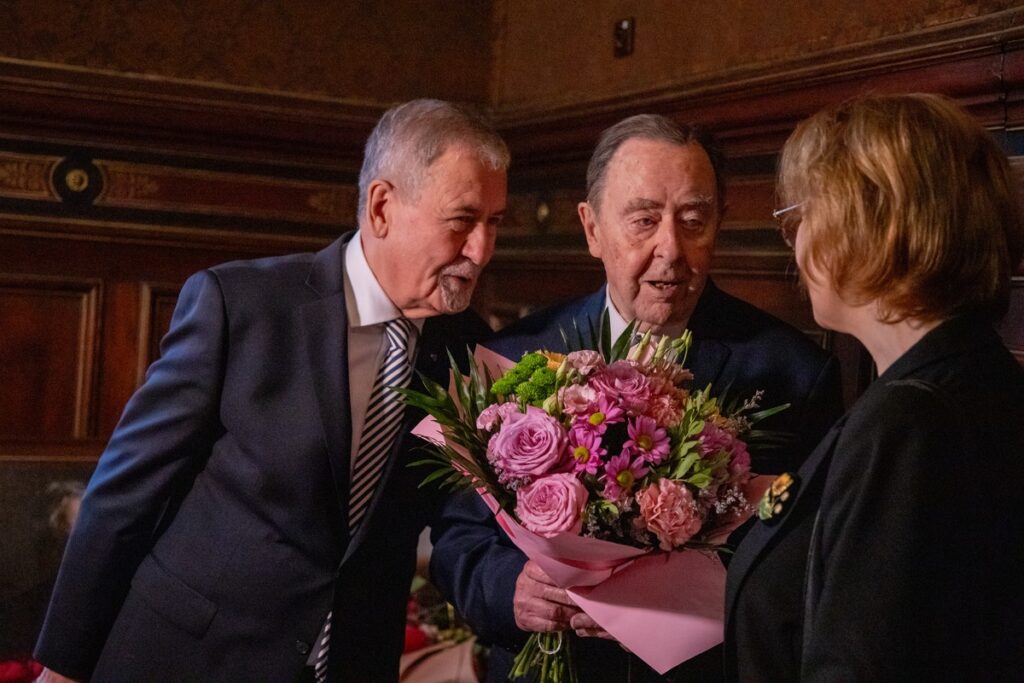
(740, 322)
(264, 271)
(543, 329)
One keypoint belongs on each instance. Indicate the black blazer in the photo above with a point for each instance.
(212, 539)
(901, 556)
(735, 345)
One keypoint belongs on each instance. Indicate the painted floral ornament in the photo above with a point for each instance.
(773, 502)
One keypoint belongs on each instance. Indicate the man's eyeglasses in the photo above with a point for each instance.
(789, 220)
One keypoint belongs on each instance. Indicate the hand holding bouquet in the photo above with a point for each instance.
(601, 465)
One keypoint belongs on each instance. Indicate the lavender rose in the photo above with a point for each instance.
(552, 504)
(527, 446)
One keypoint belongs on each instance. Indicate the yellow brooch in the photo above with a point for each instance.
(773, 502)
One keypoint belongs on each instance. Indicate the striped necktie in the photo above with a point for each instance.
(384, 414)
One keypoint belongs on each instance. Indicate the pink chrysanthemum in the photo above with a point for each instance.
(621, 474)
(648, 439)
(607, 412)
(586, 450)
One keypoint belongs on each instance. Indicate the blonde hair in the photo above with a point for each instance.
(906, 200)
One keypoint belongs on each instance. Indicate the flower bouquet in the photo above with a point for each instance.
(601, 465)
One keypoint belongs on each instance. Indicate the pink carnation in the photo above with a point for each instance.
(527, 446)
(585, 362)
(552, 504)
(666, 410)
(492, 414)
(625, 382)
(670, 512)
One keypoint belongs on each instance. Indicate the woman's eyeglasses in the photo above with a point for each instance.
(789, 220)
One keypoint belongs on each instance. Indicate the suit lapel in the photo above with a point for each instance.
(755, 542)
(326, 330)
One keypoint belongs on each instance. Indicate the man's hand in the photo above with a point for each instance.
(586, 627)
(48, 676)
(539, 604)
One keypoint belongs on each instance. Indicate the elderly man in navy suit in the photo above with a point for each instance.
(252, 518)
(655, 198)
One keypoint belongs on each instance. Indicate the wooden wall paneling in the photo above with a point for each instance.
(48, 355)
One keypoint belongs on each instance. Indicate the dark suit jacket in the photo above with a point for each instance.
(736, 346)
(213, 538)
(902, 559)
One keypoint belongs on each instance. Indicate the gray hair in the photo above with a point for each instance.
(650, 127)
(411, 136)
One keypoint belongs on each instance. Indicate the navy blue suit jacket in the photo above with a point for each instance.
(735, 345)
(213, 538)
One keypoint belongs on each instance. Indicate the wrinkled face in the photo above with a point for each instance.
(441, 235)
(655, 230)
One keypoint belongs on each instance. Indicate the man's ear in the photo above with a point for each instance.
(380, 197)
(588, 217)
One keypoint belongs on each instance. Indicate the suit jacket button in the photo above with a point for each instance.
(303, 648)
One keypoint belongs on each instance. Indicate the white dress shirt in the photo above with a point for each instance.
(618, 324)
(368, 309)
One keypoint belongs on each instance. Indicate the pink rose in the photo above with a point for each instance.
(627, 383)
(552, 504)
(577, 399)
(585, 362)
(527, 446)
(670, 513)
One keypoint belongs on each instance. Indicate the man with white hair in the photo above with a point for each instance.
(655, 201)
(252, 517)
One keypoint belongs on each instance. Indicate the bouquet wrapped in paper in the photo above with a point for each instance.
(609, 471)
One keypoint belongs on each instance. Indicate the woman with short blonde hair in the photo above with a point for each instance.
(895, 552)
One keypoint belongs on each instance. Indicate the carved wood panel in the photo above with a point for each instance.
(48, 351)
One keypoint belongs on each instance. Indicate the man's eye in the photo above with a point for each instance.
(495, 221)
(693, 224)
(644, 221)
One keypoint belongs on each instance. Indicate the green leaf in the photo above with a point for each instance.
(622, 343)
(606, 336)
(767, 412)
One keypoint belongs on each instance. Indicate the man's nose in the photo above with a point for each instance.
(479, 245)
(668, 244)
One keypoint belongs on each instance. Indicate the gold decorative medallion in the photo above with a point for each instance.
(77, 180)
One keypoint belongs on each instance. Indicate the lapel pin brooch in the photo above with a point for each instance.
(773, 502)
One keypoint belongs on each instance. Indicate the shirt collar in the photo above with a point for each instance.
(618, 324)
(365, 301)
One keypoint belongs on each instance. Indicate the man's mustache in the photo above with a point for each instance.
(464, 268)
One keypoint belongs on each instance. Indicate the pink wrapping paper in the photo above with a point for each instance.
(664, 607)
